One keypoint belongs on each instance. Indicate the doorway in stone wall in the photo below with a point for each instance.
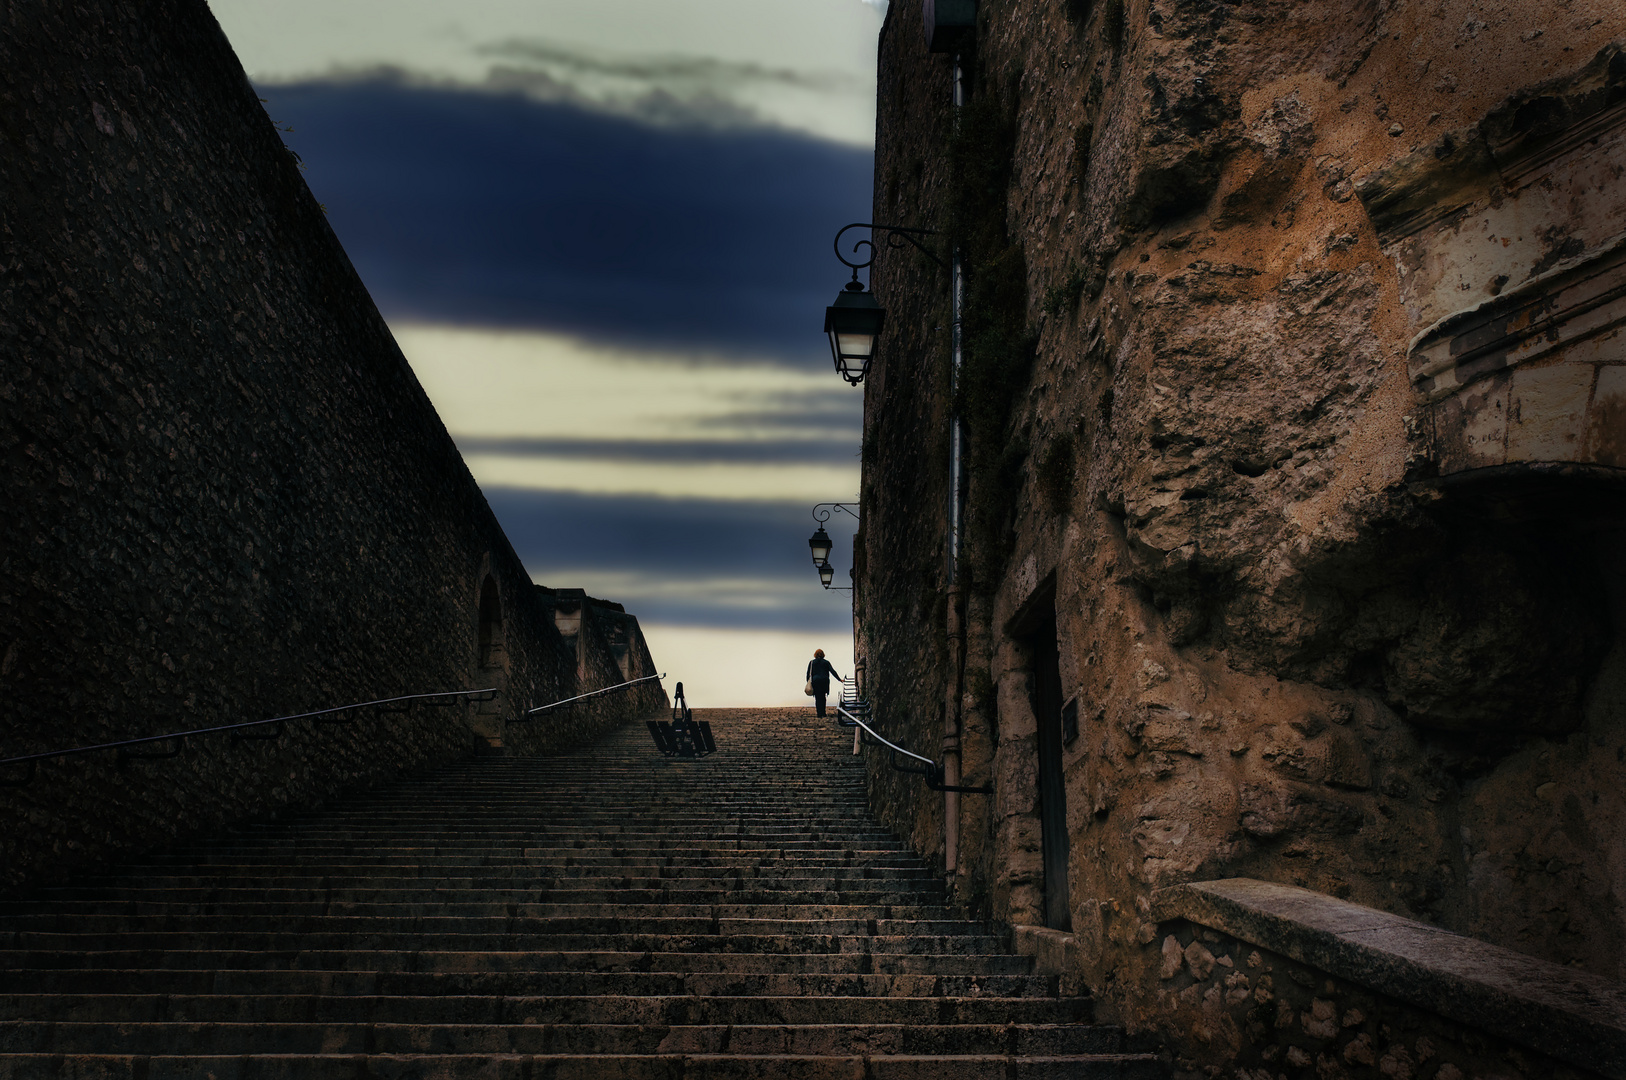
(1047, 711)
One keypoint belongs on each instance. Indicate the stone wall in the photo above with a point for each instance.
(1268, 1016)
(1292, 351)
(227, 497)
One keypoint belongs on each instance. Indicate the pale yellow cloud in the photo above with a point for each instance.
(496, 383)
(733, 668)
(768, 482)
(828, 44)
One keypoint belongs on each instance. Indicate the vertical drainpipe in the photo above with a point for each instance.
(956, 597)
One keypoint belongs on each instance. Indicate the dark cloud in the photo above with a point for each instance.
(693, 540)
(841, 451)
(493, 209)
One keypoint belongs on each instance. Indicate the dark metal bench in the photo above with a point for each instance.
(683, 736)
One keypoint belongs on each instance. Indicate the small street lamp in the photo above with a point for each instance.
(855, 320)
(826, 574)
(820, 545)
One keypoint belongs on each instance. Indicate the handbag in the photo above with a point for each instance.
(808, 689)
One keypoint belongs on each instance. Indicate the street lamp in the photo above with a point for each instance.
(819, 543)
(855, 320)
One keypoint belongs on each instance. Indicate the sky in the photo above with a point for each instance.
(601, 231)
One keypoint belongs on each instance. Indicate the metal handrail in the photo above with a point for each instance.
(179, 737)
(590, 693)
(933, 771)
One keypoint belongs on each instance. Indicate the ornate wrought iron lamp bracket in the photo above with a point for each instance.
(896, 237)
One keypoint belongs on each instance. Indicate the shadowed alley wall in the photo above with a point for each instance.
(226, 496)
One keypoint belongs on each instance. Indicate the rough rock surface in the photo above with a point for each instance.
(1300, 642)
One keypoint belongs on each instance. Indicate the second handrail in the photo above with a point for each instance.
(590, 693)
(933, 772)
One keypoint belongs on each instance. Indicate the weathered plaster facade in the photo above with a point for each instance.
(1304, 446)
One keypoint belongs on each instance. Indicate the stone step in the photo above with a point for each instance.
(581, 890)
(602, 913)
(619, 1066)
(525, 983)
(359, 959)
(722, 852)
(36, 1037)
(551, 1009)
(639, 876)
(520, 862)
(518, 918)
(288, 941)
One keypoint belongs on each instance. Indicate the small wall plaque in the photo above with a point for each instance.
(1069, 721)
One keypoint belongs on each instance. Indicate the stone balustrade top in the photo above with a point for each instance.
(1570, 1015)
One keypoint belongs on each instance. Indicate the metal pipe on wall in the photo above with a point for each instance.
(956, 621)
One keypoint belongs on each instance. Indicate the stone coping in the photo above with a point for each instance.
(1574, 1016)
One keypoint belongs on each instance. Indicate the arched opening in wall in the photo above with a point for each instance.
(493, 653)
(491, 664)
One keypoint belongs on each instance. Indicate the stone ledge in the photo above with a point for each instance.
(1573, 1016)
(1054, 952)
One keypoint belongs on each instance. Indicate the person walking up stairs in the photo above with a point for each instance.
(605, 912)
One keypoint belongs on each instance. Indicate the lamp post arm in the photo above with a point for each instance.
(822, 515)
(896, 237)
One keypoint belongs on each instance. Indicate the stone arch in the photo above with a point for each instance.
(491, 663)
(492, 641)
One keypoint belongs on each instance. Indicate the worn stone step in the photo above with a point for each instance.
(635, 875)
(529, 861)
(294, 941)
(525, 983)
(536, 917)
(37, 1037)
(657, 837)
(552, 1009)
(358, 959)
(585, 1067)
(582, 890)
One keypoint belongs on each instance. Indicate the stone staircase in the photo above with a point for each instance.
(602, 913)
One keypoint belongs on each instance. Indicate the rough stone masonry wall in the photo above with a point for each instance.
(1308, 639)
(1269, 1016)
(226, 496)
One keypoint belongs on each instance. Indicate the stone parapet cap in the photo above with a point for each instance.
(1570, 1015)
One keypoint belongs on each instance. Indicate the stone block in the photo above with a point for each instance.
(1547, 412)
(1470, 427)
(1606, 419)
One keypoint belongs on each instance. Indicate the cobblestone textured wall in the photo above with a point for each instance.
(1268, 1016)
(1236, 306)
(226, 496)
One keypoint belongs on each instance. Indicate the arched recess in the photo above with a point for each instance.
(493, 652)
(491, 663)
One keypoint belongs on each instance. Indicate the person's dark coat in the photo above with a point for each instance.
(819, 671)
